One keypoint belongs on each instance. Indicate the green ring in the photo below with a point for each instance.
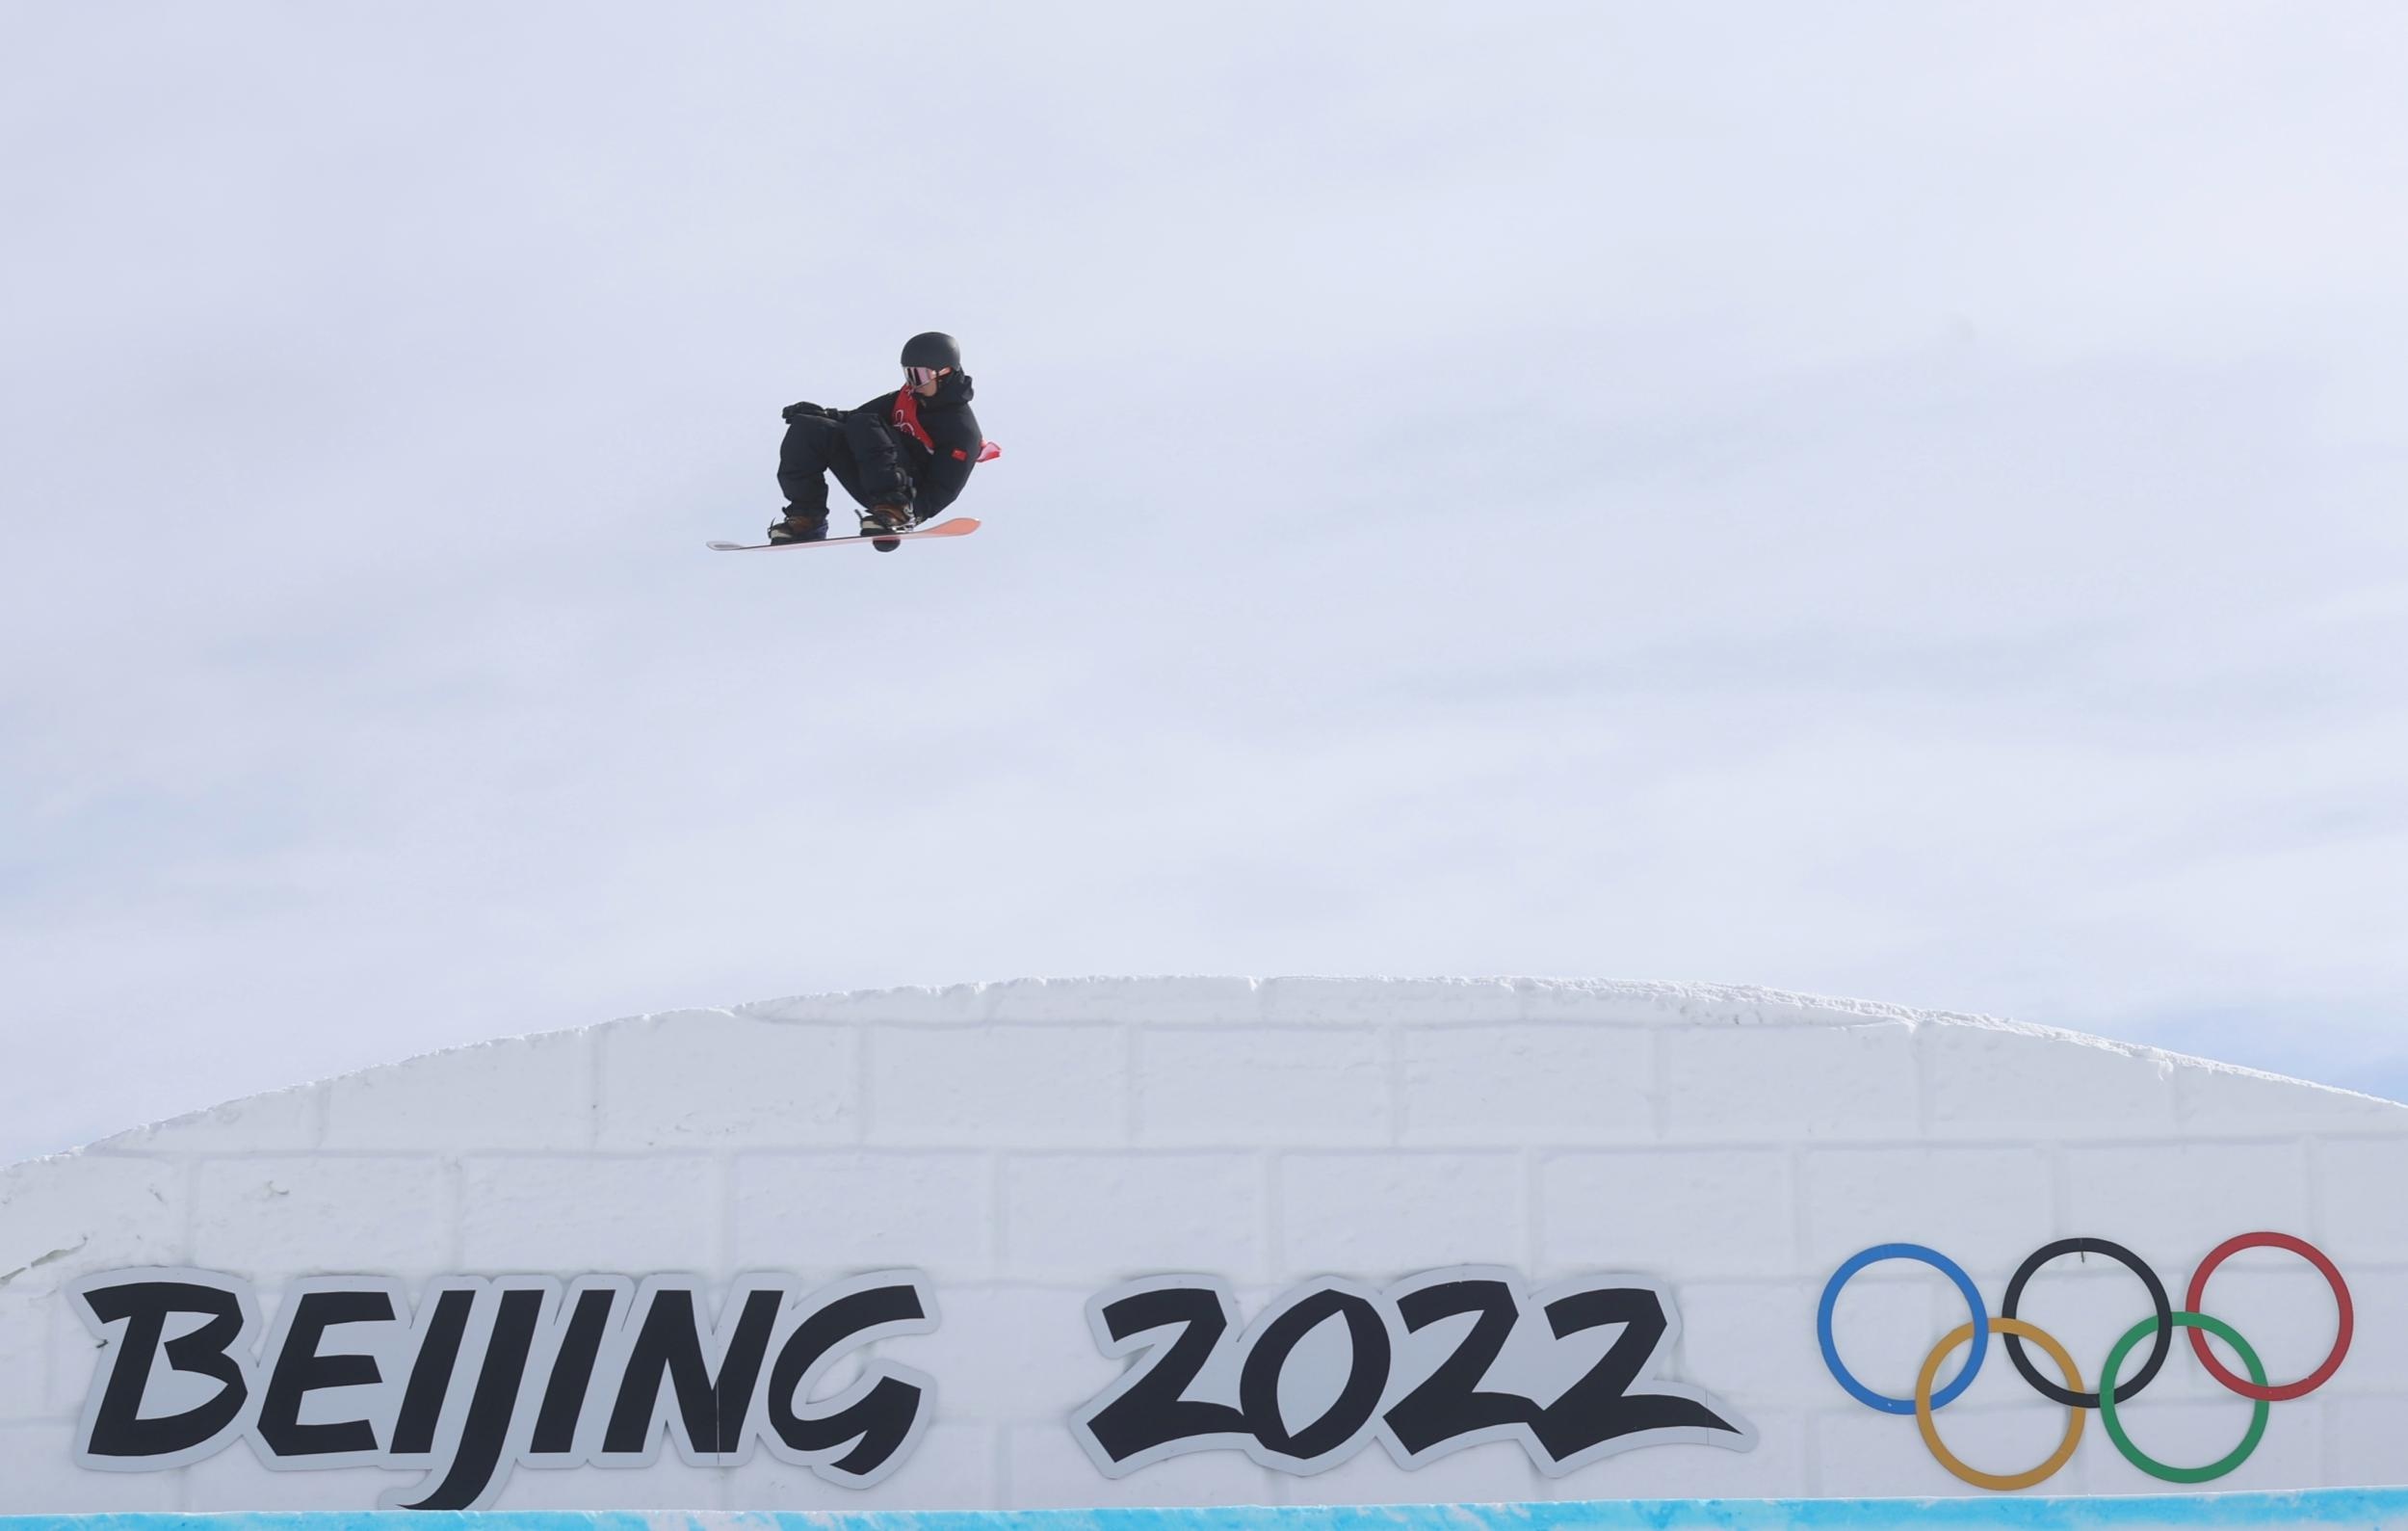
(2141, 1458)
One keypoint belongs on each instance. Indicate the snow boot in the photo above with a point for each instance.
(885, 518)
(800, 526)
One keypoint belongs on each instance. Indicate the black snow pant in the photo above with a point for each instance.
(815, 448)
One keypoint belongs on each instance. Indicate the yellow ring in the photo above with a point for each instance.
(2003, 1481)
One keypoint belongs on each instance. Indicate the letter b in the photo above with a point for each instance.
(117, 1433)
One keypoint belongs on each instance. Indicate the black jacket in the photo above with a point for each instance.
(911, 451)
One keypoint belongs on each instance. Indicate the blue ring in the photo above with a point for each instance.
(1945, 1267)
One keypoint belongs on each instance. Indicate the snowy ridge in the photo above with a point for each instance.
(1285, 1001)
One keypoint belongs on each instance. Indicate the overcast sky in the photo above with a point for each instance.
(1902, 501)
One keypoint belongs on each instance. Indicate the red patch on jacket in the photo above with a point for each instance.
(960, 456)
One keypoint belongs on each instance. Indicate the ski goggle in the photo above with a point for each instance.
(922, 377)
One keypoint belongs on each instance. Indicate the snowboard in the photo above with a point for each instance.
(959, 526)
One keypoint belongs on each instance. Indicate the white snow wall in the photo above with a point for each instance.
(1029, 1145)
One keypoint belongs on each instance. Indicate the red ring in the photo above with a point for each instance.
(2341, 1299)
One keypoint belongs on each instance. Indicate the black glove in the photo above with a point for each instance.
(809, 412)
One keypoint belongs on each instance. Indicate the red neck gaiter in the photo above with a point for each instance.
(907, 417)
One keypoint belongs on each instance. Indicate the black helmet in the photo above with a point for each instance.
(932, 348)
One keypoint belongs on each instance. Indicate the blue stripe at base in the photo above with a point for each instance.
(2354, 1509)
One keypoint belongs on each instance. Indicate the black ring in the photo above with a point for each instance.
(2130, 1261)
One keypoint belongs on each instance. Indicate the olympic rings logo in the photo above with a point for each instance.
(2157, 1328)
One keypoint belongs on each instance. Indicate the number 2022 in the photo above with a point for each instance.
(1197, 1385)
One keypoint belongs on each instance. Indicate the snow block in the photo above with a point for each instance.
(1117, 1243)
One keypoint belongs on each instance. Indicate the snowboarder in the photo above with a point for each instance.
(905, 456)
